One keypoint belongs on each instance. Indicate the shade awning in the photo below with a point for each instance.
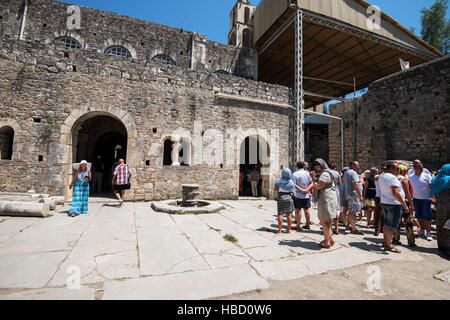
(335, 53)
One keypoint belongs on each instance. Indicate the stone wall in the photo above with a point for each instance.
(47, 20)
(48, 89)
(403, 116)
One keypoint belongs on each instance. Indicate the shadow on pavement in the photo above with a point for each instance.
(310, 245)
(111, 205)
(372, 247)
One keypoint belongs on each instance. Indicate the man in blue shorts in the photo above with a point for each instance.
(421, 184)
(302, 201)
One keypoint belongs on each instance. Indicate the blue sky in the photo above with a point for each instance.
(212, 17)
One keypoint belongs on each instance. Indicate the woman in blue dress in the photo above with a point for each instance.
(80, 183)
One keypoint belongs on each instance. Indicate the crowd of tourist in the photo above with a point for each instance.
(393, 196)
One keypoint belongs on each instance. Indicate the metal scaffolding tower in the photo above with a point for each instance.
(299, 93)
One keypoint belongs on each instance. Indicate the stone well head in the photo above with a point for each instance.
(189, 194)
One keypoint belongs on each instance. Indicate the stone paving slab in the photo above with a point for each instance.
(147, 218)
(251, 239)
(269, 253)
(162, 252)
(83, 293)
(140, 251)
(286, 269)
(210, 242)
(108, 242)
(29, 271)
(187, 286)
(12, 226)
(191, 224)
(227, 258)
(220, 222)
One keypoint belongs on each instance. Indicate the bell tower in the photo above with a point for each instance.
(241, 24)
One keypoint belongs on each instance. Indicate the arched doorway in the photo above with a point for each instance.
(247, 38)
(101, 140)
(254, 157)
(6, 142)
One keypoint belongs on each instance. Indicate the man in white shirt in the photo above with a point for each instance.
(413, 171)
(421, 184)
(302, 201)
(392, 200)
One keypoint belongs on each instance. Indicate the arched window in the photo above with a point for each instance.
(163, 59)
(247, 15)
(118, 51)
(6, 142)
(69, 42)
(246, 38)
(167, 159)
(177, 154)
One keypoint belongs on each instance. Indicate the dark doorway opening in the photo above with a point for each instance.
(252, 167)
(102, 141)
(6, 143)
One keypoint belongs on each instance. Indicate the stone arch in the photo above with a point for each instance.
(164, 58)
(84, 113)
(69, 34)
(117, 43)
(178, 142)
(16, 131)
(246, 38)
(261, 160)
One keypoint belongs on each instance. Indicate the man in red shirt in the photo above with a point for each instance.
(121, 179)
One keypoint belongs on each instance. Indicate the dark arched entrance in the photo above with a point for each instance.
(102, 141)
(6, 142)
(254, 154)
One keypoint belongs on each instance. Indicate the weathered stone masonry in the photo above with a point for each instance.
(403, 116)
(47, 89)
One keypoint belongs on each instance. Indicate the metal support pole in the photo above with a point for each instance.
(24, 19)
(354, 121)
(299, 93)
(342, 144)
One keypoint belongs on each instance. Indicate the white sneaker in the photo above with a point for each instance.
(420, 233)
(429, 237)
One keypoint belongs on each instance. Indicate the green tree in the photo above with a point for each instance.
(435, 27)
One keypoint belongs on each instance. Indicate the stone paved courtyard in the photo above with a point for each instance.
(132, 252)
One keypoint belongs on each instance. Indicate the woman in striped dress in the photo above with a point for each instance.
(80, 183)
(285, 187)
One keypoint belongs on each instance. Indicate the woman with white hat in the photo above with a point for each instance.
(80, 183)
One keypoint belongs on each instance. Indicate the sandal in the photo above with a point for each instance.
(332, 243)
(321, 245)
(392, 249)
